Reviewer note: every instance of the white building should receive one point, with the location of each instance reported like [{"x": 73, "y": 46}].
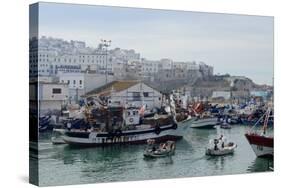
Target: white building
[
  {"x": 78, "y": 44},
  {"x": 119, "y": 69},
  {"x": 81, "y": 83},
  {"x": 124, "y": 55},
  {"x": 192, "y": 66},
  {"x": 224, "y": 94},
  {"x": 205, "y": 69},
  {"x": 149, "y": 67},
  {"x": 51, "y": 96},
  {"x": 166, "y": 64},
  {"x": 128, "y": 93}
]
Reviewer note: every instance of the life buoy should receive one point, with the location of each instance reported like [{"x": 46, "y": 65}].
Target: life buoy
[
  {"x": 131, "y": 120},
  {"x": 157, "y": 130},
  {"x": 175, "y": 126}
]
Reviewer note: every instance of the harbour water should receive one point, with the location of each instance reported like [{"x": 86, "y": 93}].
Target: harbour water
[{"x": 61, "y": 164}]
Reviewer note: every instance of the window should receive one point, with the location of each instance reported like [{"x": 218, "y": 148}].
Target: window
[
  {"x": 80, "y": 82},
  {"x": 74, "y": 82},
  {"x": 56, "y": 90},
  {"x": 136, "y": 96},
  {"x": 145, "y": 94}
]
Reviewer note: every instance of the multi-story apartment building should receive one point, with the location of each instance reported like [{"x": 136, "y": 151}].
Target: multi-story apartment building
[
  {"x": 149, "y": 67},
  {"x": 48, "y": 54}
]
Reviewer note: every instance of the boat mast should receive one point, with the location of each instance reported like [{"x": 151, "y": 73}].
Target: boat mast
[{"x": 266, "y": 121}]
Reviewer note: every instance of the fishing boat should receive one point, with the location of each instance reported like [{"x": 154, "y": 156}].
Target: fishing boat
[
  {"x": 204, "y": 123},
  {"x": 187, "y": 119},
  {"x": 219, "y": 147},
  {"x": 163, "y": 150},
  {"x": 125, "y": 126},
  {"x": 204, "y": 119},
  {"x": 225, "y": 125},
  {"x": 57, "y": 136},
  {"x": 261, "y": 141}
]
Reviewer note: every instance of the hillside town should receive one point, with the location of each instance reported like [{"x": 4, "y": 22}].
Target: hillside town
[{"x": 70, "y": 72}]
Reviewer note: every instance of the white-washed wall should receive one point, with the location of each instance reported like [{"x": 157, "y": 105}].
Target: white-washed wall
[{"x": 128, "y": 96}]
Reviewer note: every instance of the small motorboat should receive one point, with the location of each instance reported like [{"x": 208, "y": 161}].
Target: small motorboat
[
  {"x": 57, "y": 136},
  {"x": 163, "y": 150},
  {"x": 225, "y": 125},
  {"x": 204, "y": 123},
  {"x": 219, "y": 147}
]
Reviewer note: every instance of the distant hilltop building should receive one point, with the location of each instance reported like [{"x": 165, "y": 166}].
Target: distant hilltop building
[
  {"x": 225, "y": 88},
  {"x": 50, "y": 56},
  {"x": 46, "y": 54},
  {"x": 83, "y": 68}
]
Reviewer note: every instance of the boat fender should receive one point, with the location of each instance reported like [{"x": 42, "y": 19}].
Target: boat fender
[
  {"x": 157, "y": 129},
  {"x": 175, "y": 126}
]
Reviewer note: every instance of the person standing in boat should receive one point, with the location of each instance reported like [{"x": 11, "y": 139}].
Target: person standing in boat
[
  {"x": 223, "y": 140},
  {"x": 216, "y": 144},
  {"x": 68, "y": 125}
]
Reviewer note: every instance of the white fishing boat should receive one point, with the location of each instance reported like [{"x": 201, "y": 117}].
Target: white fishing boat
[
  {"x": 129, "y": 131},
  {"x": 225, "y": 125},
  {"x": 219, "y": 147},
  {"x": 204, "y": 122}
]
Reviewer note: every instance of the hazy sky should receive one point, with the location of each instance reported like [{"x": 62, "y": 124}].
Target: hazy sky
[{"x": 234, "y": 44}]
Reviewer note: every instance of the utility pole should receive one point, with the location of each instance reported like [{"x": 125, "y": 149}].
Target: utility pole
[{"x": 106, "y": 44}]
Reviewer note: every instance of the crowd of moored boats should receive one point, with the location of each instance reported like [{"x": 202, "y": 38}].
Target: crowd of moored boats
[{"x": 103, "y": 125}]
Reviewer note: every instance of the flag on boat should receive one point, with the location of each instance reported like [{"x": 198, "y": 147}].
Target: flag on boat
[{"x": 141, "y": 110}]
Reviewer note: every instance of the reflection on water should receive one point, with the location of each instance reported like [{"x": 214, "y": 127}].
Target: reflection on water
[
  {"x": 62, "y": 164},
  {"x": 261, "y": 165}
]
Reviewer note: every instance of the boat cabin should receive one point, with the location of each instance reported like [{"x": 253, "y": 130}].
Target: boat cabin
[{"x": 131, "y": 116}]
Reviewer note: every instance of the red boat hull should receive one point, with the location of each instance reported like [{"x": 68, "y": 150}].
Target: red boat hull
[{"x": 262, "y": 146}]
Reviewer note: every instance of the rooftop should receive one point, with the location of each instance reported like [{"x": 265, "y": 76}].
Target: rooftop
[{"x": 115, "y": 85}]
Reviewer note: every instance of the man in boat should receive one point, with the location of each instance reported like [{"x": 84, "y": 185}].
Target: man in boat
[
  {"x": 222, "y": 140},
  {"x": 216, "y": 144},
  {"x": 68, "y": 126}
]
